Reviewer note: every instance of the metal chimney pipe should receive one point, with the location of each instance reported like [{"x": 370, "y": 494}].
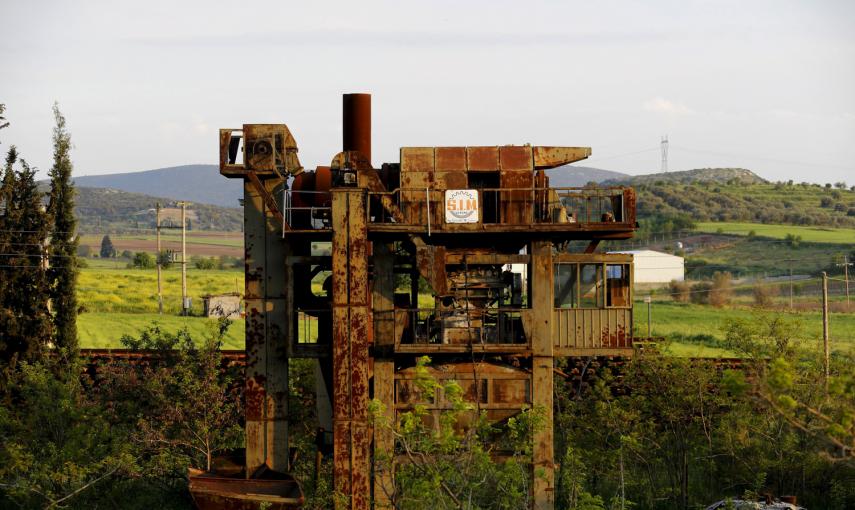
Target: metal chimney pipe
[{"x": 356, "y": 123}]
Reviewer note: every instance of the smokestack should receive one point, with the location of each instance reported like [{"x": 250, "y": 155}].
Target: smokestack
[{"x": 356, "y": 123}]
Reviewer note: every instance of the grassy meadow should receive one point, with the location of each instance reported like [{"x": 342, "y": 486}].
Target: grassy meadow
[
  {"x": 699, "y": 330},
  {"x": 809, "y": 234},
  {"x": 120, "y": 301}
]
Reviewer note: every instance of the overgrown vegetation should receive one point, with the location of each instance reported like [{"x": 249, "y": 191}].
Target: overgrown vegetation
[
  {"x": 736, "y": 201},
  {"x": 678, "y": 433},
  {"x": 449, "y": 458}
]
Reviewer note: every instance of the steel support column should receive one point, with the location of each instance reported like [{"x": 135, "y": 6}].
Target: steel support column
[
  {"x": 267, "y": 318},
  {"x": 383, "y": 300},
  {"x": 351, "y": 328},
  {"x": 543, "y": 485}
]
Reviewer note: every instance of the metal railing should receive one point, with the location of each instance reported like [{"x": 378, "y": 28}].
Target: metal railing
[
  {"x": 486, "y": 326},
  {"x": 310, "y": 210},
  {"x": 508, "y": 206},
  {"x": 307, "y": 210}
]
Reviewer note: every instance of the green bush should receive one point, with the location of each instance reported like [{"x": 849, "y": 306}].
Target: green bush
[{"x": 142, "y": 260}]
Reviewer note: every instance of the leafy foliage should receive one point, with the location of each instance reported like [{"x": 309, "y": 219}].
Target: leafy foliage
[
  {"x": 759, "y": 202},
  {"x": 25, "y": 322},
  {"x": 449, "y": 461},
  {"x": 63, "y": 240}
]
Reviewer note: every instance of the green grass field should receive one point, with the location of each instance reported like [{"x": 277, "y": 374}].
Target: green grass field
[
  {"x": 698, "y": 330},
  {"x": 135, "y": 290},
  {"x": 103, "y": 330},
  {"x": 829, "y": 235},
  {"x": 124, "y": 301}
]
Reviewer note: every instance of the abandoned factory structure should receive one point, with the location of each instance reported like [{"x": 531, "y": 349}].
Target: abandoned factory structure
[{"x": 458, "y": 253}]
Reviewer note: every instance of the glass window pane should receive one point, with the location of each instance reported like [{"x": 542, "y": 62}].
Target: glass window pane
[
  {"x": 565, "y": 279},
  {"x": 617, "y": 285},
  {"x": 591, "y": 281}
]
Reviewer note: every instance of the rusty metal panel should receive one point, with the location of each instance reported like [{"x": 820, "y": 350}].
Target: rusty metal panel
[
  {"x": 417, "y": 159},
  {"x": 414, "y": 199},
  {"x": 513, "y": 157},
  {"x": 451, "y": 180},
  {"x": 431, "y": 263},
  {"x": 599, "y": 328},
  {"x": 450, "y": 159},
  {"x": 551, "y": 157},
  {"x": 517, "y": 197},
  {"x": 481, "y": 159}
]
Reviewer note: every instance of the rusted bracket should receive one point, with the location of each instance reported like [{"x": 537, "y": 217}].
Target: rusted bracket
[
  {"x": 592, "y": 246},
  {"x": 269, "y": 201}
]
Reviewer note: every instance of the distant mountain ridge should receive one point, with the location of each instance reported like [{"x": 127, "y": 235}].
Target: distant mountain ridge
[
  {"x": 716, "y": 175},
  {"x": 107, "y": 209},
  {"x": 570, "y": 176},
  {"x": 195, "y": 183},
  {"x": 203, "y": 184}
]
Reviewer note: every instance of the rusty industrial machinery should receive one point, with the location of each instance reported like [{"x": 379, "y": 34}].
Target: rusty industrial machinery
[{"x": 459, "y": 253}]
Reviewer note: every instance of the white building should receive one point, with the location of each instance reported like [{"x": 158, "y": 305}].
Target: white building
[{"x": 656, "y": 267}]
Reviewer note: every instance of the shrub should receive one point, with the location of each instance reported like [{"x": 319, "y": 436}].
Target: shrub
[
  {"x": 680, "y": 291},
  {"x": 721, "y": 289},
  {"x": 143, "y": 260},
  {"x": 793, "y": 241},
  {"x": 701, "y": 293},
  {"x": 204, "y": 262},
  {"x": 764, "y": 294}
]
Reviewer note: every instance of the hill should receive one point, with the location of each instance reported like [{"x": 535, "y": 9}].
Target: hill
[
  {"x": 768, "y": 203},
  {"x": 570, "y": 176},
  {"x": 101, "y": 209},
  {"x": 195, "y": 183},
  {"x": 717, "y": 175}
]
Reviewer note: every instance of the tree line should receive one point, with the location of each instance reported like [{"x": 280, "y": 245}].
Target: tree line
[{"x": 38, "y": 246}]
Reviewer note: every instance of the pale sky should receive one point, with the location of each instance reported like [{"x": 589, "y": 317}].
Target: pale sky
[{"x": 766, "y": 85}]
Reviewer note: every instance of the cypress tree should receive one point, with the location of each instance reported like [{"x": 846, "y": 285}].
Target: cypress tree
[
  {"x": 107, "y": 248},
  {"x": 25, "y": 325},
  {"x": 63, "y": 270}
]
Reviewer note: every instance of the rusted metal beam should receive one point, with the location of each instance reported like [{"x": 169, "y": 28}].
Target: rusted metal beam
[
  {"x": 551, "y": 157},
  {"x": 383, "y": 300},
  {"x": 542, "y": 346},
  {"x": 351, "y": 327},
  {"x": 269, "y": 201},
  {"x": 266, "y": 388},
  {"x": 592, "y": 246}
]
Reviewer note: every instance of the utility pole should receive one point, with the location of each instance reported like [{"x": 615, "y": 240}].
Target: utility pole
[
  {"x": 185, "y": 308},
  {"x": 159, "y": 288},
  {"x": 825, "y": 347},
  {"x": 663, "y": 144}
]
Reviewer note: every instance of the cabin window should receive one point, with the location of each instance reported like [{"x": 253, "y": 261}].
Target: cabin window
[
  {"x": 566, "y": 291},
  {"x": 591, "y": 285},
  {"x": 617, "y": 285}
]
